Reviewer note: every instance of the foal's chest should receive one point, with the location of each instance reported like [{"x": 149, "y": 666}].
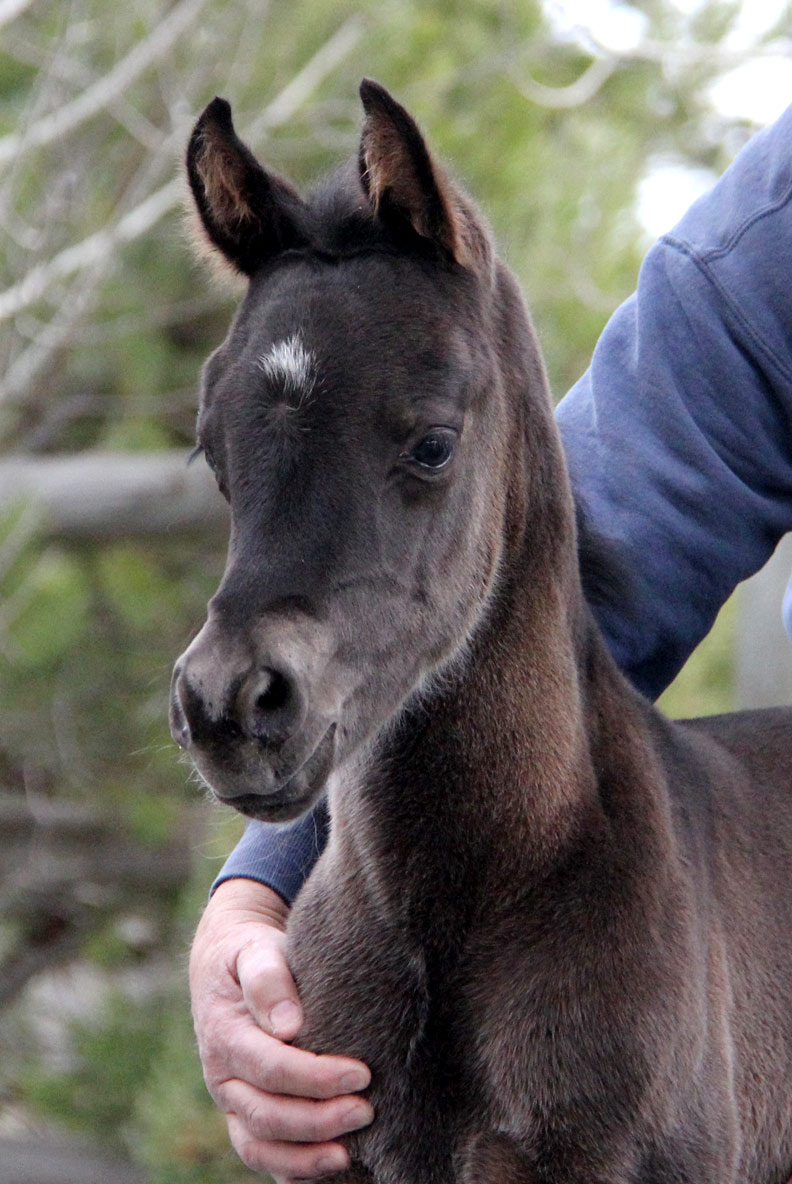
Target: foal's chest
[{"x": 367, "y": 994}]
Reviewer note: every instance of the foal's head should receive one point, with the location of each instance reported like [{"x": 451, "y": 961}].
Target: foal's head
[{"x": 366, "y": 418}]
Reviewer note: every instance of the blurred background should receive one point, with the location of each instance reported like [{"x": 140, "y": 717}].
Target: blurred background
[{"x": 583, "y": 128}]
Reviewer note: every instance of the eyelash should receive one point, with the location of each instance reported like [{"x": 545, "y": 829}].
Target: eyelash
[{"x": 202, "y": 449}]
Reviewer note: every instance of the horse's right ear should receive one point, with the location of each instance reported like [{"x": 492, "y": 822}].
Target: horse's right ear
[
  {"x": 404, "y": 184},
  {"x": 247, "y": 213}
]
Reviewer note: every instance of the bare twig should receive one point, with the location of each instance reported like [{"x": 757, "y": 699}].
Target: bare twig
[
  {"x": 307, "y": 80},
  {"x": 139, "y": 220},
  {"x": 680, "y": 56},
  {"x": 91, "y": 249},
  {"x": 22, "y": 372},
  {"x": 574, "y": 95},
  {"x": 97, "y": 97}
]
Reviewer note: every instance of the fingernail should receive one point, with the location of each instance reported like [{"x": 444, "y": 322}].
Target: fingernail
[
  {"x": 333, "y": 1161},
  {"x": 354, "y": 1081},
  {"x": 357, "y": 1116},
  {"x": 284, "y": 1016}
]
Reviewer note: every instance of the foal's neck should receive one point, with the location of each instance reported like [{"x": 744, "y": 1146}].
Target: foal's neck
[
  {"x": 488, "y": 780},
  {"x": 484, "y": 781}
]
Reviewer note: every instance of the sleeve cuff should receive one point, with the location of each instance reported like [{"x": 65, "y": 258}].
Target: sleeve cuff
[{"x": 281, "y": 857}]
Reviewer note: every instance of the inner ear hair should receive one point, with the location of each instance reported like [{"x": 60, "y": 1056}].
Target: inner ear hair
[
  {"x": 223, "y": 173},
  {"x": 397, "y": 170},
  {"x": 247, "y": 213},
  {"x": 400, "y": 176}
]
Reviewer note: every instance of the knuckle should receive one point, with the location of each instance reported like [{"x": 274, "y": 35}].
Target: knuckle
[
  {"x": 275, "y": 1070},
  {"x": 260, "y": 1122},
  {"x": 255, "y": 1155},
  {"x": 264, "y": 956},
  {"x": 214, "y": 1062},
  {"x": 220, "y": 1094},
  {"x": 249, "y": 1152}
]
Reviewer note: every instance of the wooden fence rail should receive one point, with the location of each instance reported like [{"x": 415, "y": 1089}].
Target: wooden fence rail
[
  {"x": 98, "y": 496},
  {"x": 46, "y": 1160}
]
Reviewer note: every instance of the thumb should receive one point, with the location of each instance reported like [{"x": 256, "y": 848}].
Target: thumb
[{"x": 267, "y": 986}]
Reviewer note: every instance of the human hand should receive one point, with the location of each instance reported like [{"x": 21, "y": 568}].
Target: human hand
[{"x": 285, "y": 1107}]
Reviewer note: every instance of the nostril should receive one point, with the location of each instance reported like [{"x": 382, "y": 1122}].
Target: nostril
[
  {"x": 196, "y": 720},
  {"x": 229, "y": 729},
  {"x": 273, "y": 705},
  {"x": 275, "y": 696},
  {"x": 189, "y": 713}
]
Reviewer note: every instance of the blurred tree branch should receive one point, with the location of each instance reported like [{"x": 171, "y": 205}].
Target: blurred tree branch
[
  {"x": 99, "y": 250},
  {"x": 140, "y": 220},
  {"x": 103, "y": 93}
]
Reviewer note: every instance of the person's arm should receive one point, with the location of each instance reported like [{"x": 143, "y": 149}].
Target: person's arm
[
  {"x": 679, "y": 436},
  {"x": 678, "y": 439}
]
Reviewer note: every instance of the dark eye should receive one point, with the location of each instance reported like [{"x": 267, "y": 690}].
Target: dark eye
[{"x": 435, "y": 449}]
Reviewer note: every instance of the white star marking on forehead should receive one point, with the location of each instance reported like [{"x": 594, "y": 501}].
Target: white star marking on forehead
[{"x": 290, "y": 363}]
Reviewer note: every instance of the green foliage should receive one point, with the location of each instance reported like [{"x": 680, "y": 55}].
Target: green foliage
[
  {"x": 86, "y": 664},
  {"x": 174, "y": 1129},
  {"x": 55, "y": 589},
  {"x": 705, "y": 685},
  {"x": 113, "y": 1054},
  {"x": 179, "y": 1135}
]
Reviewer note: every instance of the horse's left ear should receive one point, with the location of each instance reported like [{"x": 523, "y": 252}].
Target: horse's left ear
[{"x": 404, "y": 182}]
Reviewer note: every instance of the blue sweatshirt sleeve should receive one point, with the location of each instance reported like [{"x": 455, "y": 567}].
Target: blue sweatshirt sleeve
[
  {"x": 678, "y": 438},
  {"x": 279, "y": 856}
]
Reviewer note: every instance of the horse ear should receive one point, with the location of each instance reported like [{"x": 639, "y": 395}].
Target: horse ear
[
  {"x": 403, "y": 181},
  {"x": 247, "y": 213}
]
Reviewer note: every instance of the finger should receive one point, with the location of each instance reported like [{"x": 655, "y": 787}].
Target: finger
[
  {"x": 268, "y": 988},
  {"x": 276, "y": 1118},
  {"x": 303, "y": 1161},
  {"x": 241, "y": 1050}
]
